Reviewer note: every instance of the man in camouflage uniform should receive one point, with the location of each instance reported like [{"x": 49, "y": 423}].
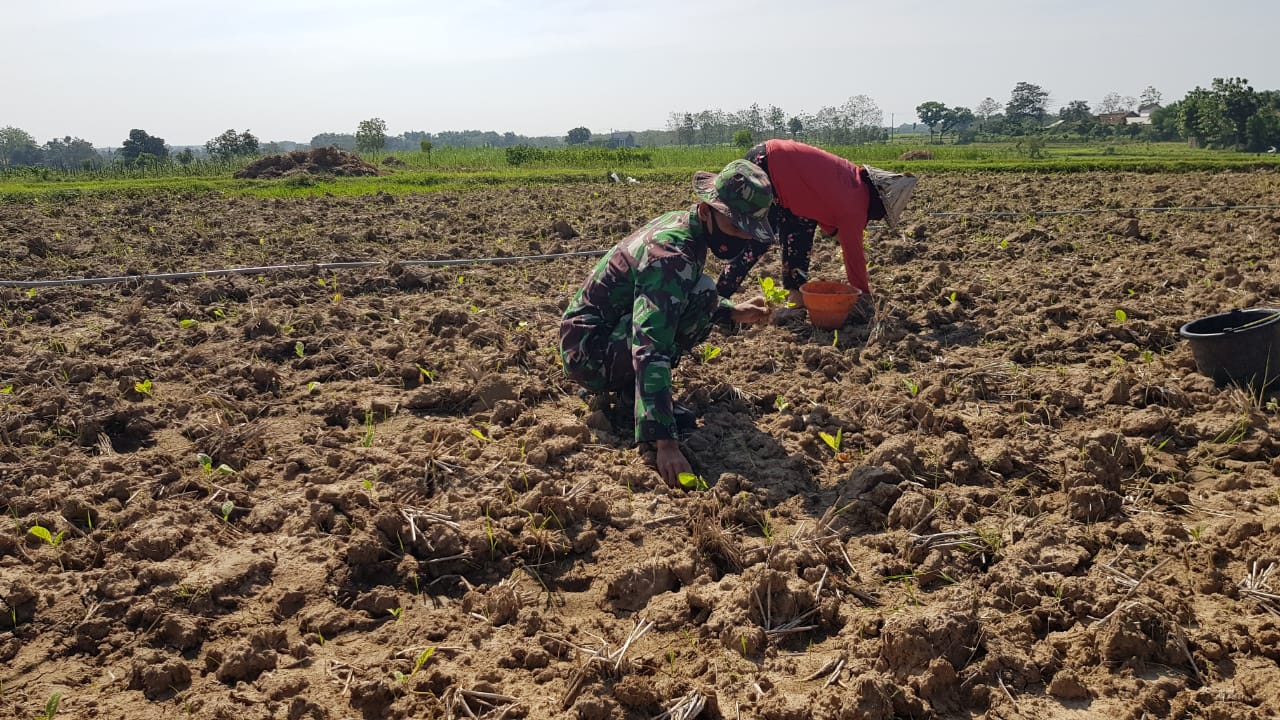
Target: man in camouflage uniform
[{"x": 648, "y": 301}]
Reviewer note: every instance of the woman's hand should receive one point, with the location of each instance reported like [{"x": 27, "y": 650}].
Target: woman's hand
[{"x": 753, "y": 312}]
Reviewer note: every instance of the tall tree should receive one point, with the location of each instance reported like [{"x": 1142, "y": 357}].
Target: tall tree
[
  {"x": 371, "y": 135},
  {"x": 1075, "y": 111},
  {"x": 986, "y": 109},
  {"x": 795, "y": 126},
  {"x": 956, "y": 118},
  {"x": 230, "y": 145},
  {"x": 578, "y": 136},
  {"x": 1027, "y": 102},
  {"x": 17, "y": 147},
  {"x": 1239, "y": 103},
  {"x": 931, "y": 114},
  {"x": 70, "y": 153},
  {"x": 1149, "y": 96},
  {"x": 141, "y": 143},
  {"x": 1114, "y": 102}
]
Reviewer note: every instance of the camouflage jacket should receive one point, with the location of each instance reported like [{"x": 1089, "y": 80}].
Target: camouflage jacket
[{"x": 648, "y": 276}]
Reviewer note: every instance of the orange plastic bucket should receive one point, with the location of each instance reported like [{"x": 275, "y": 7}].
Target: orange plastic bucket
[{"x": 828, "y": 303}]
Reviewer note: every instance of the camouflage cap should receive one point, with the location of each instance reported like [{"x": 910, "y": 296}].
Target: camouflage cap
[{"x": 741, "y": 191}]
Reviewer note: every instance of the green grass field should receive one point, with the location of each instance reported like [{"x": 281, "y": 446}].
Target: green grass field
[{"x": 453, "y": 168}]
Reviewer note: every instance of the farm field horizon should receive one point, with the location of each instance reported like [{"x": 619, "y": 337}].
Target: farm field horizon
[{"x": 371, "y": 493}]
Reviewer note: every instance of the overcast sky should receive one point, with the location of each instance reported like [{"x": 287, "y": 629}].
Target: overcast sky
[{"x": 289, "y": 69}]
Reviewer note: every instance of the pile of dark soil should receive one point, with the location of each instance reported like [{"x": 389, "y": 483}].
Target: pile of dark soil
[{"x": 325, "y": 160}]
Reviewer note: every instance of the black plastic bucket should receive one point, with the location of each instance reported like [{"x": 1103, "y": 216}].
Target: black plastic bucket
[{"x": 1241, "y": 347}]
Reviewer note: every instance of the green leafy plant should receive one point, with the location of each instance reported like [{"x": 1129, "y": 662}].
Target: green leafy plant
[
  {"x": 396, "y": 612},
  {"x": 709, "y": 353},
  {"x": 833, "y": 441},
  {"x": 912, "y": 387},
  {"x": 780, "y": 404},
  {"x": 692, "y": 481},
  {"x": 478, "y": 433},
  {"x": 206, "y": 463},
  {"x": 6, "y": 390},
  {"x": 1121, "y": 315},
  {"x": 226, "y": 508},
  {"x": 143, "y": 387},
  {"x": 951, "y": 299},
  {"x": 775, "y": 295},
  {"x": 299, "y": 349},
  {"x": 367, "y": 440},
  {"x": 43, "y": 533},
  {"x": 51, "y": 707},
  {"x": 187, "y": 323},
  {"x": 422, "y": 659}
]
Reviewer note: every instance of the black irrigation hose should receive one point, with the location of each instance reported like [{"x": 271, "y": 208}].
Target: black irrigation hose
[
  {"x": 198, "y": 274},
  {"x": 317, "y": 267}
]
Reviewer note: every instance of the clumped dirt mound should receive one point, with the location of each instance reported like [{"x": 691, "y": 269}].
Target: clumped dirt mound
[
  {"x": 372, "y": 494},
  {"x": 319, "y": 161},
  {"x": 916, "y": 155}
]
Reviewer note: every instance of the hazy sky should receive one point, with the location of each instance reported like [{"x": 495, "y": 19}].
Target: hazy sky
[{"x": 289, "y": 69}]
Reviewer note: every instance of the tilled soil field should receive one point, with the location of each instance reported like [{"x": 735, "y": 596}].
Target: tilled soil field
[{"x": 371, "y": 494}]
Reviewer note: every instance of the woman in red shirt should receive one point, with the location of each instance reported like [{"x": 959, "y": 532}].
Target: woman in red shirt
[{"x": 814, "y": 188}]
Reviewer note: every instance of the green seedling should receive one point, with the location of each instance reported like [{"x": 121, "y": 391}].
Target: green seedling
[
  {"x": 226, "y": 508},
  {"x": 425, "y": 375},
  {"x": 396, "y": 613},
  {"x": 51, "y": 707},
  {"x": 1121, "y": 315},
  {"x": 709, "y": 353},
  {"x": 780, "y": 404},
  {"x": 475, "y": 432},
  {"x": 951, "y": 299},
  {"x": 775, "y": 296},
  {"x": 692, "y": 481},
  {"x": 312, "y": 386},
  {"x": 143, "y": 387},
  {"x": 44, "y": 534},
  {"x": 299, "y": 349},
  {"x": 206, "y": 463},
  {"x": 367, "y": 440},
  {"x": 421, "y": 660},
  {"x": 6, "y": 390},
  {"x": 833, "y": 441},
  {"x": 912, "y": 387},
  {"x": 187, "y": 323}
]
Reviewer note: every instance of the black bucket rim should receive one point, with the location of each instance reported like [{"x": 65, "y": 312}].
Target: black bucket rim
[{"x": 1229, "y": 332}]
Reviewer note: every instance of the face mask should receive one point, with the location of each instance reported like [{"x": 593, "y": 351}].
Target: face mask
[{"x": 722, "y": 244}]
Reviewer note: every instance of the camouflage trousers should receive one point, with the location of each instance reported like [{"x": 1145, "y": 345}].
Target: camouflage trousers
[{"x": 600, "y": 358}]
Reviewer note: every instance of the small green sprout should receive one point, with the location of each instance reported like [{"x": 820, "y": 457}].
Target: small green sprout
[
  {"x": 143, "y": 387},
  {"x": 299, "y": 349},
  {"x": 206, "y": 462},
  {"x": 780, "y": 404},
  {"x": 51, "y": 706},
  {"x": 775, "y": 296},
  {"x": 396, "y": 613},
  {"x": 951, "y": 299},
  {"x": 226, "y": 508},
  {"x": 44, "y": 534},
  {"x": 692, "y": 481},
  {"x": 6, "y": 390},
  {"x": 912, "y": 387},
  {"x": 187, "y": 323},
  {"x": 422, "y": 659},
  {"x": 477, "y": 433},
  {"x": 1121, "y": 315},
  {"x": 709, "y": 353},
  {"x": 833, "y": 441},
  {"x": 367, "y": 440},
  {"x": 313, "y": 386},
  {"x": 425, "y": 375}
]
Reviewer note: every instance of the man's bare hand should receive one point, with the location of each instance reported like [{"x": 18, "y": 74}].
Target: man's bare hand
[
  {"x": 671, "y": 462},
  {"x": 753, "y": 311}
]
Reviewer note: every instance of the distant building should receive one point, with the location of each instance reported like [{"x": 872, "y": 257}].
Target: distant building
[
  {"x": 1144, "y": 115},
  {"x": 1116, "y": 118}
]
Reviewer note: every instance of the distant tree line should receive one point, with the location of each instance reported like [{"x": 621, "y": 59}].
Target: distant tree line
[{"x": 1229, "y": 114}]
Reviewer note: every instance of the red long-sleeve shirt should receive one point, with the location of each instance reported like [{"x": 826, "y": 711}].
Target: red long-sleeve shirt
[{"x": 818, "y": 185}]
